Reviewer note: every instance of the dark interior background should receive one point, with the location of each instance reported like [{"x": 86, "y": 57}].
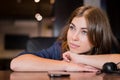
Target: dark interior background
[
  {"x": 26, "y": 9},
  {"x": 113, "y": 11}
]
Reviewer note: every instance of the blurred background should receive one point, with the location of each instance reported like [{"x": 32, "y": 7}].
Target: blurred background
[{"x": 24, "y": 19}]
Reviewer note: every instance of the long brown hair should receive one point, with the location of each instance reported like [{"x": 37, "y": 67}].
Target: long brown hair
[{"x": 99, "y": 30}]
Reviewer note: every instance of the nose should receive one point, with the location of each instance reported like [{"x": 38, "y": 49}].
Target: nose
[{"x": 75, "y": 37}]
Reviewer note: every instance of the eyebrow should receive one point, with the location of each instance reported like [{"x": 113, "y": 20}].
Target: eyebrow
[
  {"x": 84, "y": 28},
  {"x": 75, "y": 26}
]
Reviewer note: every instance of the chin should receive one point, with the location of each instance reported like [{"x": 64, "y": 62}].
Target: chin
[
  {"x": 74, "y": 51},
  {"x": 78, "y": 52}
]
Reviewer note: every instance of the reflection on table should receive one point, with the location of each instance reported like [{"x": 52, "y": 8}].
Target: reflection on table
[
  {"x": 8, "y": 75},
  {"x": 44, "y": 76}
]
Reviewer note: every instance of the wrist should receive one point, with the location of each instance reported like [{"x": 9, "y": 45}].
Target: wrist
[
  {"x": 81, "y": 58},
  {"x": 65, "y": 65}
]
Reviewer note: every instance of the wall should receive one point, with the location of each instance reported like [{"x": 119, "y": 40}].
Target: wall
[
  {"x": 93, "y": 2},
  {"x": 23, "y": 27},
  {"x": 32, "y": 28}
]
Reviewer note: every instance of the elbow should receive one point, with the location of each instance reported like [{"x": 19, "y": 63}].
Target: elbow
[{"x": 13, "y": 65}]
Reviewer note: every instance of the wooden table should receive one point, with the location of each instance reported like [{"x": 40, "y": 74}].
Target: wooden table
[{"x": 9, "y": 75}]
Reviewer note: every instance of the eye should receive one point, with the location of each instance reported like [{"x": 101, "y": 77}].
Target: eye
[
  {"x": 71, "y": 27},
  {"x": 84, "y": 32}
]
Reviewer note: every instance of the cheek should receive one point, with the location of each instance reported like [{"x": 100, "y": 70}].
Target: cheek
[
  {"x": 85, "y": 47},
  {"x": 84, "y": 38},
  {"x": 85, "y": 41},
  {"x": 90, "y": 46},
  {"x": 88, "y": 42}
]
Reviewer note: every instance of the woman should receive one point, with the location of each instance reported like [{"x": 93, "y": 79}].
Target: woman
[
  {"x": 97, "y": 31},
  {"x": 86, "y": 32}
]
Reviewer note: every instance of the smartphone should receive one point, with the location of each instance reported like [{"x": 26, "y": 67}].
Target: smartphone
[{"x": 58, "y": 74}]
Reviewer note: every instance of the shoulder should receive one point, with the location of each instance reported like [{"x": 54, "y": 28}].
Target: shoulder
[{"x": 53, "y": 52}]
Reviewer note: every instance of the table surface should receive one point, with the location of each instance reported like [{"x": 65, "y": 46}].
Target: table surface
[{"x": 9, "y": 75}]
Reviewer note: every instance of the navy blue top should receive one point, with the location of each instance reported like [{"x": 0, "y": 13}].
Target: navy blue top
[{"x": 54, "y": 52}]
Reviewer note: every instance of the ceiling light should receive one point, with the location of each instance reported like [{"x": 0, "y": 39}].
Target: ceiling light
[
  {"x": 36, "y": 1},
  {"x": 38, "y": 17}
]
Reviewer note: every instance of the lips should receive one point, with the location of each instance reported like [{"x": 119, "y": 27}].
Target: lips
[{"x": 71, "y": 45}]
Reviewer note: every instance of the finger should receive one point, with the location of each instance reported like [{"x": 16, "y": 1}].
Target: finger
[{"x": 66, "y": 58}]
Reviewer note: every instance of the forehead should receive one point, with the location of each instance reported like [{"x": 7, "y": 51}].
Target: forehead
[{"x": 79, "y": 22}]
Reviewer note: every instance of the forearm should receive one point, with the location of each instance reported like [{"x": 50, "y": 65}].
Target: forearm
[
  {"x": 98, "y": 60},
  {"x": 30, "y": 62}
]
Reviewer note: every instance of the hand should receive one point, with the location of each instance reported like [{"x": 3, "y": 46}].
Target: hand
[
  {"x": 70, "y": 57},
  {"x": 66, "y": 56},
  {"x": 76, "y": 65}
]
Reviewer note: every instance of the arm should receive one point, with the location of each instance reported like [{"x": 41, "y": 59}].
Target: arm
[
  {"x": 98, "y": 60},
  {"x": 93, "y": 60},
  {"x": 29, "y": 62}
]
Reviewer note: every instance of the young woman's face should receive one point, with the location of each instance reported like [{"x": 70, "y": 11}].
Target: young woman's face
[{"x": 77, "y": 36}]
